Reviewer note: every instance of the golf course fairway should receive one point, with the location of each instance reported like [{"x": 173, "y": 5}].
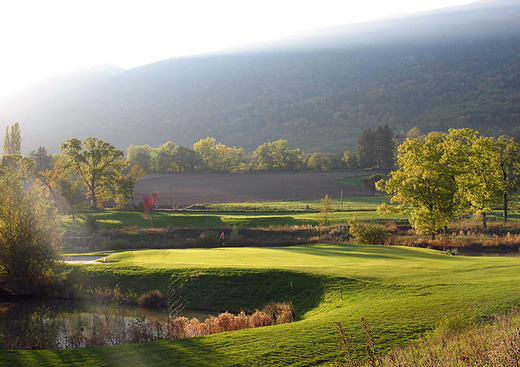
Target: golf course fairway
[{"x": 402, "y": 292}]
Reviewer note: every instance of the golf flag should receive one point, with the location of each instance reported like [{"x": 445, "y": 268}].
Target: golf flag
[{"x": 222, "y": 235}]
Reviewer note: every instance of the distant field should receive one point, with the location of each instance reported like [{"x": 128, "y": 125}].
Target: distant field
[
  {"x": 229, "y": 215},
  {"x": 190, "y": 189}
]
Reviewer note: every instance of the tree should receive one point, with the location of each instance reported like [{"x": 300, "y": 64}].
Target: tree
[
  {"x": 186, "y": 159},
  {"x": 228, "y": 159},
  {"x": 29, "y": 238},
  {"x": 207, "y": 150},
  {"x": 140, "y": 155},
  {"x": 164, "y": 158},
  {"x": 97, "y": 162},
  {"x": 509, "y": 161},
  {"x": 366, "y": 149},
  {"x": 479, "y": 176},
  {"x": 424, "y": 183},
  {"x": 369, "y": 182},
  {"x": 276, "y": 155},
  {"x": 319, "y": 162},
  {"x": 384, "y": 147},
  {"x": 349, "y": 159},
  {"x": 125, "y": 185},
  {"x": 12, "y": 140},
  {"x": 326, "y": 204},
  {"x": 42, "y": 159},
  {"x": 63, "y": 184}
]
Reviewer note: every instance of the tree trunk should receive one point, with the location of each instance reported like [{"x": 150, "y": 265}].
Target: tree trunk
[
  {"x": 484, "y": 220},
  {"x": 94, "y": 198},
  {"x": 505, "y": 207}
]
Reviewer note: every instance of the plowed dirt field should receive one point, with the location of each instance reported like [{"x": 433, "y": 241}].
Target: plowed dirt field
[{"x": 199, "y": 188}]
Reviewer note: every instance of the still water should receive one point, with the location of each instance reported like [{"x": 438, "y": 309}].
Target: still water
[
  {"x": 21, "y": 308},
  {"x": 27, "y": 323}
]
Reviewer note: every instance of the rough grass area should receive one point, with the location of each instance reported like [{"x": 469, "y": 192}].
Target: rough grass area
[
  {"x": 229, "y": 215},
  {"x": 402, "y": 292}
]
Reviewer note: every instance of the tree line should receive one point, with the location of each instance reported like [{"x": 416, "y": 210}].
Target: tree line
[
  {"x": 376, "y": 149},
  {"x": 441, "y": 176}
]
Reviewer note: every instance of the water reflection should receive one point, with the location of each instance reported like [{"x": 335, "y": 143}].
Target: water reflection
[{"x": 35, "y": 323}]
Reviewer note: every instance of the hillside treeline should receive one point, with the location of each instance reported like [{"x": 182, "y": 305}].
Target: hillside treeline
[{"x": 376, "y": 149}]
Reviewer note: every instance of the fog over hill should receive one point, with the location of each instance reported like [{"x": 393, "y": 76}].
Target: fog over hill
[{"x": 456, "y": 67}]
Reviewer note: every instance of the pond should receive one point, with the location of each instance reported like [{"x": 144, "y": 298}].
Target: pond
[{"x": 28, "y": 323}]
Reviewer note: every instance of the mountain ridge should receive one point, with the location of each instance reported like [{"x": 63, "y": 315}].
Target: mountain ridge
[{"x": 317, "y": 92}]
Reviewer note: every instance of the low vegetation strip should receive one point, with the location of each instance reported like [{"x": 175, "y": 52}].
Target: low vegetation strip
[
  {"x": 454, "y": 342},
  {"x": 402, "y": 292}
]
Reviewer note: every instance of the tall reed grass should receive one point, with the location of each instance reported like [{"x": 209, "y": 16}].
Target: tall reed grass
[
  {"x": 46, "y": 331},
  {"x": 455, "y": 342}
]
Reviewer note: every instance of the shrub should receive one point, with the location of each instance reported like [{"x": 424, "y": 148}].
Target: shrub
[
  {"x": 234, "y": 238},
  {"x": 209, "y": 239},
  {"x": 152, "y": 299},
  {"x": 366, "y": 233},
  {"x": 90, "y": 225},
  {"x": 30, "y": 238}
]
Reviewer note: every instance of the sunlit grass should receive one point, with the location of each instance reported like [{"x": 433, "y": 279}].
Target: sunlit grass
[
  {"x": 401, "y": 291},
  {"x": 247, "y": 215}
]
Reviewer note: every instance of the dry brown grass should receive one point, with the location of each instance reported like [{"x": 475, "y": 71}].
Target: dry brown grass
[
  {"x": 50, "y": 332},
  {"x": 272, "y": 314},
  {"x": 455, "y": 342}
]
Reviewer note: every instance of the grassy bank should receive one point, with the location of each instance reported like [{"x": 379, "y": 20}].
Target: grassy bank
[
  {"x": 245, "y": 215},
  {"x": 401, "y": 291}
]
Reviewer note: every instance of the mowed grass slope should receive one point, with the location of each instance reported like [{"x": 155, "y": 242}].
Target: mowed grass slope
[
  {"x": 247, "y": 215},
  {"x": 401, "y": 291}
]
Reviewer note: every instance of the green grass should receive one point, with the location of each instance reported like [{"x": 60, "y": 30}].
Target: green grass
[
  {"x": 401, "y": 291},
  {"x": 229, "y": 215},
  {"x": 347, "y": 204}
]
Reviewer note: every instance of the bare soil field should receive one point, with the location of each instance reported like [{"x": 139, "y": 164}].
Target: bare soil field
[{"x": 210, "y": 188}]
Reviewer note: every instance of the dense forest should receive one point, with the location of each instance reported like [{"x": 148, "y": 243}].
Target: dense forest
[{"x": 447, "y": 69}]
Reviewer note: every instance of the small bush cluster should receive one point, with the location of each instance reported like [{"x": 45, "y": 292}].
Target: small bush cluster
[
  {"x": 335, "y": 233},
  {"x": 152, "y": 299},
  {"x": 369, "y": 233}
]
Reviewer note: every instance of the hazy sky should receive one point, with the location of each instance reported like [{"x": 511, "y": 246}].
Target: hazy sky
[{"x": 39, "y": 38}]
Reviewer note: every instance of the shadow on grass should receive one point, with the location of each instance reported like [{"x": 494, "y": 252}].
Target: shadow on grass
[
  {"x": 367, "y": 251},
  {"x": 185, "y": 352},
  {"x": 216, "y": 289}
]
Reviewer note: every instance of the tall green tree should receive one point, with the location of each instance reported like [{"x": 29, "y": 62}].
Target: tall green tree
[
  {"x": 140, "y": 155},
  {"x": 366, "y": 149},
  {"x": 384, "y": 147},
  {"x": 424, "y": 183},
  {"x": 319, "y": 162},
  {"x": 479, "y": 174},
  {"x": 125, "y": 185},
  {"x": 207, "y": 150},
  {"x": 30, "y": 236},
  {"x": 186, "y": 159},
  {"x": 276, "y": 156},
  {"x": 97, "y": 162},
  {"x": 164, "y": 158},
  {"x": 509, "y": 161},
  {"x": 12, "y": 140},
  {"x": 42, "y": 159}
]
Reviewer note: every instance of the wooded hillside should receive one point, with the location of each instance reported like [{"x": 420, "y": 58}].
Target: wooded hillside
[{"x": 446, "y": 69}]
